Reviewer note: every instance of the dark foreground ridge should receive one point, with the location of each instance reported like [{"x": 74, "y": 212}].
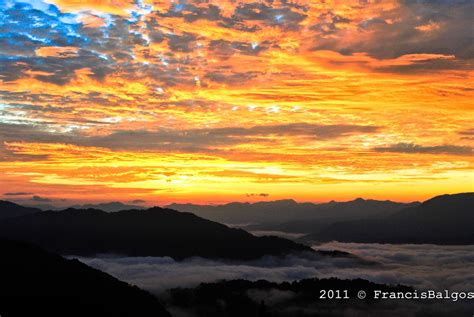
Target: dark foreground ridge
[
  {"x": 38, "y": 283},
  {"x": 445, "y": 220},
  {"x": 238, "y": 298},
  {"x": 151, "y": 232}
]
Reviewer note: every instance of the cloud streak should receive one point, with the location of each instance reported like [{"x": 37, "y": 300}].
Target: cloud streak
[
  {"x": 40, "y": 199},
  {"x": 186, "y": 139},
  {"x": 415, "y": 148}
]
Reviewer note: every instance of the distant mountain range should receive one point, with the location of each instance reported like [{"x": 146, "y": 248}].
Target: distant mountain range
[
  {"x": 290, "y": 216},
  {"x": 446, "y": 219},
  {"x": 281, "y": 215},
  {"x": 151, "y": 232},
  {"x": 109, "y": 207},
  {"x": 38, "y": 283}
]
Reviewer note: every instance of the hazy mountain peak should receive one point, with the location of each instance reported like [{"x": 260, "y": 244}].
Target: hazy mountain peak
[
  {"x": 109, "y": 206},
  {"x": 288, "y": 210}
]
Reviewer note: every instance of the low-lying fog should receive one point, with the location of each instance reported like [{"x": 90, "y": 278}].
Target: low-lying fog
[{"x": 421, "y": 266}]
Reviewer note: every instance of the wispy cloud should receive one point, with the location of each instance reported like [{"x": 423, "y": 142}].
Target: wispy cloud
[
  {"x": 415, "y": 148},
  {"x": 18, "y": 194}
]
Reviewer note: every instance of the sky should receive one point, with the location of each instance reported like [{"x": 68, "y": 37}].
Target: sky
[{"x": 155, "y": 102}]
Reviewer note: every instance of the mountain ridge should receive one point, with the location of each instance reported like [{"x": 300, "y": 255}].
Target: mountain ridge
[
  {"x": 443, "y": 219},
  {"x": 291, "y": 216},
  {"x": 151, "y": 232}
]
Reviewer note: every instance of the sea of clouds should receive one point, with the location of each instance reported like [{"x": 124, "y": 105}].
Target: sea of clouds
[{"x": 420, "y": 266}]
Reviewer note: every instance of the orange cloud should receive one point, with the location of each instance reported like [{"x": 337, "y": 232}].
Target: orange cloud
[{"x": 56, "y": 51}]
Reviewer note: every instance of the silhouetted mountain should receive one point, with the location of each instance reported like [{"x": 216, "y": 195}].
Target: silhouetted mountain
[
  {"x": 38, "y": 283},
  {"x": 40, "y": 206},
  {"x": 152, "y": 232},
  {"x": 446, "y": 219},
  {"x": 109, "y": 207},
  {"x": 238, "y": 298},
  {"x": 242, "y": 213},
  {"x": 9, "y": 210},
  {"x": 290, "y": 216}
]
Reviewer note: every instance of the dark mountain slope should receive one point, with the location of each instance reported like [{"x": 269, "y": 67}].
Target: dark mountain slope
[
  {"x": 152, "y": 232},
  {"x": 446, "y": 219},
  {"x": 38, "y": 283},
  {"x": 238, "y": 298},
  {"x": 9, "y": 210}
]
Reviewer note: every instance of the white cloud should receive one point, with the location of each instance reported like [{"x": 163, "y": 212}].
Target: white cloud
[{"x": 421, "y": 266}]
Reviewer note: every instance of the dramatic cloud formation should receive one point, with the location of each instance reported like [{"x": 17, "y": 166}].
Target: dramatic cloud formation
[
  {"x": 421, "y": 266},
  {"x": 208, "y": 101},
  {"x": 413, "y": 27}
]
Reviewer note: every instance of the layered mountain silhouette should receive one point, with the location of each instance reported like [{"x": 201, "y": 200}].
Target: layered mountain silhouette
[
  {"x": 291, "y": 216},
  {"x": 109, "y": 207},
  {"x": 112, "y": 206},
  {"x": 151, "y": 232},
  {"x": 38, "y": 283},
  {"x": 446, "y": 219},
  {"x": 10, "y": 210}
]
